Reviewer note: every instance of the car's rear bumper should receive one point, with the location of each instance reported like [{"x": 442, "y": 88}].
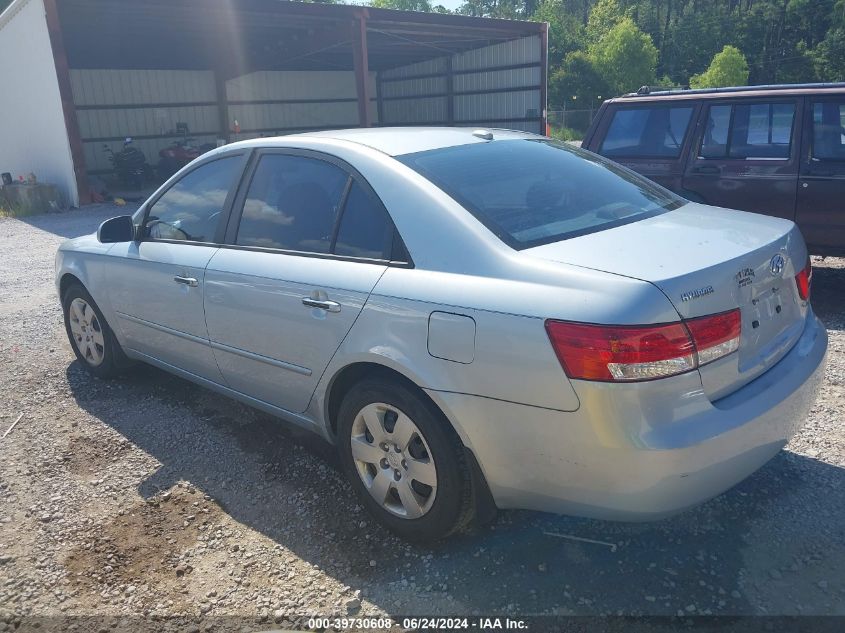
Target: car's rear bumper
[{"x": 638, "y": 451}]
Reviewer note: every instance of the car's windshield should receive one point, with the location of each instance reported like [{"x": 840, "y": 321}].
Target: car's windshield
[{"x": 531, "y": 192}]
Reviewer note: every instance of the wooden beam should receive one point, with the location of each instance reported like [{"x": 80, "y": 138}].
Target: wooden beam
[
  {"x": 77, "y": 154},
  {"x": 362, "y": 69}
]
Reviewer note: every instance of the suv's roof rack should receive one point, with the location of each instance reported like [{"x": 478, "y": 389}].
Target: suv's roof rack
[{"x": 647, "y": 91}]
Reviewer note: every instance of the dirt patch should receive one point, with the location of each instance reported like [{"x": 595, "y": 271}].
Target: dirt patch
[
  {"x": 88, "y": 456},
  {"x": 142, "y": 549}
]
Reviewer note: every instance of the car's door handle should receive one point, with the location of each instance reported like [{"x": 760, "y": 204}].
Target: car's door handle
[
  {"x": 188, "y": 281},
  {"x": 328, "y": 306}
]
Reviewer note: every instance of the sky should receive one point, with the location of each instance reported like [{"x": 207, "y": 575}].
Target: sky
[{"x": 449, "y": 4}]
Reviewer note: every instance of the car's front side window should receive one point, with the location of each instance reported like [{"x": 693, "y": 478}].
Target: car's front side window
[
  {"x": 191, "y": 209},
  {"x": 291, "y": 204}
]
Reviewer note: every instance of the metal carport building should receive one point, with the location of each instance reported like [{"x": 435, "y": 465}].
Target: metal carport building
[{"x": 80, "y": 73}]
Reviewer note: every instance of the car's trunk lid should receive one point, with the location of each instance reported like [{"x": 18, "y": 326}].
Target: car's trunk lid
[{"x": 708, "y": 260}]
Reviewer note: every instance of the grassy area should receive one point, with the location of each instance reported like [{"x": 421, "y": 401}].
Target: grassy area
[
  {"x": 566, "y": 134},
  {"x": 9, "y": 209}
]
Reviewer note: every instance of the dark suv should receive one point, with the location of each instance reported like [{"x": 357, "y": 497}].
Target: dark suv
[{"x": 778, "y": 150}]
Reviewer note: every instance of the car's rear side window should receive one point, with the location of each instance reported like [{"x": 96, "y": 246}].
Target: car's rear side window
[
  {"x": 654, "y": 132},
  {"x": 829, "y": 130},
  {"x": 365, "y": 230},
  {"x": 532, "y": 192},
  {"x": 752, "y": 131}
]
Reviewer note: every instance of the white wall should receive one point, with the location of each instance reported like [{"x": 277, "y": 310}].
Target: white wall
[{"x": 33, "y": 137}]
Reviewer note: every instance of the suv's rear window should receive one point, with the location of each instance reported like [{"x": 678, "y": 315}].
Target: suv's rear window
[
  {"x": 532, "y": 192},
  {"x": 654, "y": 132}
]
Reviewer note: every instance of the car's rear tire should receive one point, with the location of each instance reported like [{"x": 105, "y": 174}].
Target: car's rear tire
[
  {"x": 404, "y": 461},
  {"x": 90, "y": 336}
]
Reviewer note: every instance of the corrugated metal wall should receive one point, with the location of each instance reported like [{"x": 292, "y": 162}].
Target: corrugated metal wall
[
  {"x": 279, "y": 102},
  {"x": 419, "y": 99},
  {"x": 494, "y": 86},
  {"x": 148, "y": 104},
  {"x": 497, "y": 86},
  {"x": 143, "y": 104}
]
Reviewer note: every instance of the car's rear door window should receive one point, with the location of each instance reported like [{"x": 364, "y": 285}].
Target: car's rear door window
[
  {"x": 829, "y": 131},
  {"x": 532, "y": 192},
  {"x": 751, "y": 131},
  {"x": 762, "y": 130},
  {"x": 653, "y": 132},
  {"x": 291, "y": 204}
]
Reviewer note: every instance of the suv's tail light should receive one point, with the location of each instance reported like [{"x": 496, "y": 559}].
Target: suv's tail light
[
  {"x": 804, "y": 280},
  {"x": 642, "y": 352}
]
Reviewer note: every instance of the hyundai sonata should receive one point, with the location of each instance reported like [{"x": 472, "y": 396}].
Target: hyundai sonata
[{"x": 475, "y": 318}]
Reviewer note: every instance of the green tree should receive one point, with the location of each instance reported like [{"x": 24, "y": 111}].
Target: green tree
[
  {"x": 829, "y": 55},
  {"x": 577, "y": 84},
  {"x": 566, "y": 32},
  {"x": 493, "y": 8},
  {"x": 404, "y": 5},
  {"x": 625, "y": 57},
  {"x": 728, "y": 68},
  {"x": 603, "y": 17}
]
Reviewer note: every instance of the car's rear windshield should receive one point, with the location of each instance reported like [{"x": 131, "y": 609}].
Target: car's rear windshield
[{"x": 531, "y": 192}]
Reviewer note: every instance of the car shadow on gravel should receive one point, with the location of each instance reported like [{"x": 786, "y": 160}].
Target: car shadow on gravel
[{"x": 751, "y": 546}]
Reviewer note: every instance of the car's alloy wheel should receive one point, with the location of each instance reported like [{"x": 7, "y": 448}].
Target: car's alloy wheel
[
  {"x": 87, "y": 332},
  {"x": 90, "y": 336},
  {"x": 393, "y": 460},
  {"x": 404, "y": 460}
]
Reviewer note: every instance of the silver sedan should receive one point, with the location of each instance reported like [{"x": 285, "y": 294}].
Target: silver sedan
[{"x": 475, "y": 318}]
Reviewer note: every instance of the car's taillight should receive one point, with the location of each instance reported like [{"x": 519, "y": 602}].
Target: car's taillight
[
  {"x": 642, "y": 352},
  {"x": 716, "y": 335},
  {"x": 804, "y": 280}
]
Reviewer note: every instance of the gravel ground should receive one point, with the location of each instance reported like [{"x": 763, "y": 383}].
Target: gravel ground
[{"x": 150, "y": 496}]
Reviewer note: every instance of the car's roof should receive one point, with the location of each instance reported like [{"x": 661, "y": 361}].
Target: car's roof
[
  {"x": 733, "y": 92},
  {"x": 396, "y": 141}
]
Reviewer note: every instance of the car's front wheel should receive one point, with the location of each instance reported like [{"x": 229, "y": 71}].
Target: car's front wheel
[
  {"x": 90, "y": 336},
  {"x": 404, "y": 460}
]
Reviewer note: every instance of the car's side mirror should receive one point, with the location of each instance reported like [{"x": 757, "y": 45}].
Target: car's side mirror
[{"x": 119, "y": 229}]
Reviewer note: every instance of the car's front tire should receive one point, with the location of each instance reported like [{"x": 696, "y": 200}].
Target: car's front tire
[
  {"x": 90, "y": 336},
  {"x": 406, "y": 463}
]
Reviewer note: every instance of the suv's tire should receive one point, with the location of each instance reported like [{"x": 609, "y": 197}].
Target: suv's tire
[
  {"x": 424, "y": 489},
  {"x": 90, "y": 336}
]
